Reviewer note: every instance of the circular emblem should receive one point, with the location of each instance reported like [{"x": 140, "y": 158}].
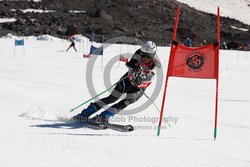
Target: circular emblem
[
  {"x": 90, "y": 77},
  {"x": 195, "y": 60}
]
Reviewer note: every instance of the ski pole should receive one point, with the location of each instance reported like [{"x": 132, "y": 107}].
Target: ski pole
[
  {"x": 92, "y": 98},
  {"x": 96, "y": 95},
  {"x": 155, "y": 106}
]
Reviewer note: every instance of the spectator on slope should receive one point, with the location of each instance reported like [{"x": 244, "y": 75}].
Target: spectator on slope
[
  {"x": 224, "y": 45},
  {"x": 246, "y": 44},
  {"x": 188, "y": 42}
]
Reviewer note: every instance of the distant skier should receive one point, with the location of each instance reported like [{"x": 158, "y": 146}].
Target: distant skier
[
  {"x": 141, "y": 70},
  {"x": 72, "y": 40}
]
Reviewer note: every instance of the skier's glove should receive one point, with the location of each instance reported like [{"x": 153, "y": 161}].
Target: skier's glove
[
  {"x": 136, "y": 81},
  {"x": 137, "y": 75},
  {"x": 137, "y": 70}
]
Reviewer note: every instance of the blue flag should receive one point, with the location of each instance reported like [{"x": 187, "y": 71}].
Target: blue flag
[
  {"x": 19, "y": 42},
  {"x": 96, "y": 51}
]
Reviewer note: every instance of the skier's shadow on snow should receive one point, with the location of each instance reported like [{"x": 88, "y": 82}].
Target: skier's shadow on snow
[
  {"x": 61, "y": 125},
  {"x": 65, "y": 125},
  {"x": 58, "y": 124},
  {"x": 68, "y": 125}
]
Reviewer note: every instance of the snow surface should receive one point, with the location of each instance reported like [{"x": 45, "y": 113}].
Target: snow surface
[
  {"x": 236, "y": 9},
  {"x": 5, "y": 20},
  {"x": 36, "y": 11},
  {"x": 40, "y": 87}
]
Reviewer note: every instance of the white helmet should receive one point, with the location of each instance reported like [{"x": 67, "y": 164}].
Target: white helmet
[{"x": 149, "y": 48}]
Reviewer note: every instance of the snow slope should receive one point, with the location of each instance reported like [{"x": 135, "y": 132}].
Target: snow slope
[
  {"x": 236, "y": 9},
  {"x": 41, "y": 87}
]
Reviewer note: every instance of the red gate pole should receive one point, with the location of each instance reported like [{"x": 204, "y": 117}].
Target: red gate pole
[
  {"x": 217, "y": 73},
  {"x": 169, "y": 68}
]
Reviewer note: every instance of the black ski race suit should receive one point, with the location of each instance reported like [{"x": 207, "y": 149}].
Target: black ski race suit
[{"x": 130, "y": 85}]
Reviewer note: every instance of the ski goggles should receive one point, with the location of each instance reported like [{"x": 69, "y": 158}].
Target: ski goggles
[{"x": 147, "y": 55}]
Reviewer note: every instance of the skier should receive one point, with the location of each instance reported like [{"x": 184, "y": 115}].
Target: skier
[
  {"x": 141, "y": 70},
  {"x": 72, "y": 38}
]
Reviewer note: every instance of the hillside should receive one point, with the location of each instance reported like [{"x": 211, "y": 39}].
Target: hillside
[{"x": 142, "y": 19}]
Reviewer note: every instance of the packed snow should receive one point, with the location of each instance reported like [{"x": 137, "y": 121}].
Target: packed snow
[
  {"x": 41, "y": 85},
  {"x": 5, "y": 20},
  {"x": 235, "y": 9}
]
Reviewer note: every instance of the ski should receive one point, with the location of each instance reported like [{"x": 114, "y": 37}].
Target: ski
[
  {"x": 100, "y": 125},
  {"x": 92, "y": 124},
  {"x": 95, "y": 125},
  {"x": 118, "y": 127},
  {"x": 105, "y": 125}
]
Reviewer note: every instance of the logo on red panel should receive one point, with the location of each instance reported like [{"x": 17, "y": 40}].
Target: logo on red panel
[{"x": 195, "y": 60}]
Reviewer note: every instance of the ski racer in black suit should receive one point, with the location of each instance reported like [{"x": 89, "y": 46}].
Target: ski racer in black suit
[{"x": 141, "y": 69}]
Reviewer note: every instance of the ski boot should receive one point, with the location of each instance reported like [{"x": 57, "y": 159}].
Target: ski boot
[
  {"x": 84, "y": 115},
  {"x": 104, "y": 116}
]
